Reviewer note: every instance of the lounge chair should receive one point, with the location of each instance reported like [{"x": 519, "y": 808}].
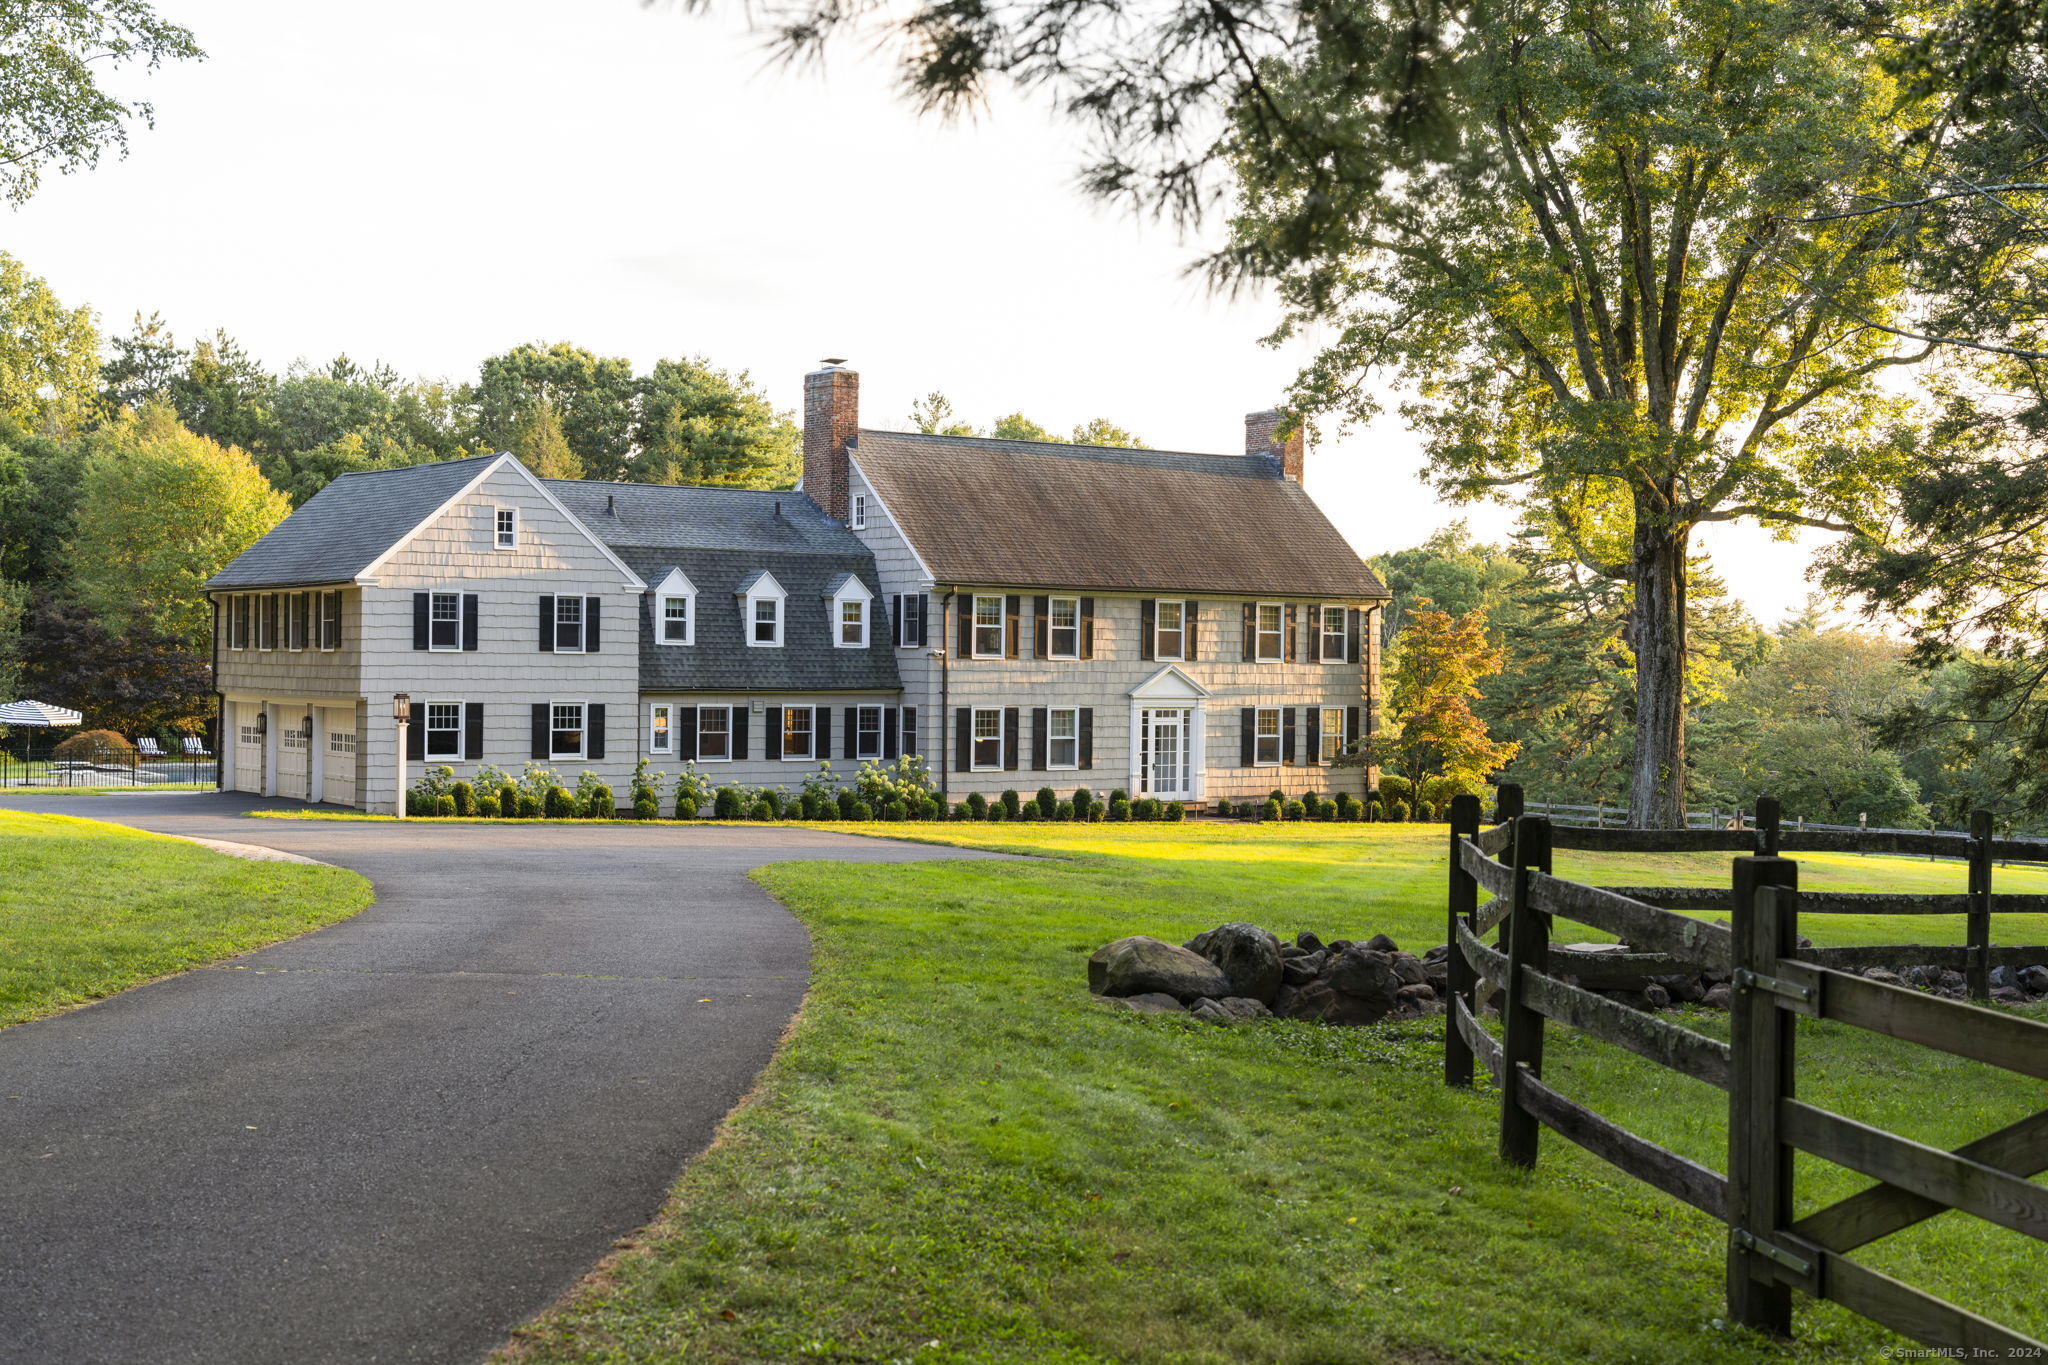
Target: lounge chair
[
  {"x": 195, "y": 747},
  {"x": 149, "y": 748}
]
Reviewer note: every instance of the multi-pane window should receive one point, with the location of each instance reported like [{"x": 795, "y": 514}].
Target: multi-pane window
[
  {"x": 660, "y": 729},
  {"x": 1064, "y": 635},
  {"x": 1266, "y": 735},
  {"x": 508, "y": 528},
  {"x": 238, "y": 621},
  {"x": 568, "y": 624},
  {"x": 444, "y": 618},
  {"x": 988, "y": 737},
  {"x": 330, "y": 620},
  {"x": 853, "y": 622},
  {"x": 867, "y": 732},
  {"x": 444, "y": 729},
  {"x": 293, "y": 739},
  {"x": 988, "y": 626},
  {"x": 714, "y": 733},
  {"x": 1335, "y": 646},
  {"x": 767, "y": 621},
  {"x": 675, "y": 620},
  {"x": 860, "y": 511},
  {"x": 299, "y": 619},
  {"x": 267, "y": 621},
  {"x": 1169, "y": 629},
  {"x": 1331, "y": 744},
  {"x": 341, "y": 742},
  {"x": 796, "y": 732},
  {"x": 565, "y": 730},
  {"x": 1270, "y": 644},
  {"x": 250, "y": 734},
  {"x": 1063, "y": 737}
]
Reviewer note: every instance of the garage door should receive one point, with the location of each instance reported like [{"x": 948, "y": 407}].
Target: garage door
[
  {"x": 339, "y": 782},
  {"x": 294, "y": 759},
  {"x": 248, "y": 748}
]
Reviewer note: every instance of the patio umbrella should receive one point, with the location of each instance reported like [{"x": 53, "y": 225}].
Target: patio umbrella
[{"x": 32, "y": 714}]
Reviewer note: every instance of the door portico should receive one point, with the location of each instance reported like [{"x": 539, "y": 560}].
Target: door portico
[{"x": 1169, "y": 722}]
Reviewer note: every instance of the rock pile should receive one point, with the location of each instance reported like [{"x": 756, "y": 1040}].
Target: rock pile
[{"x": 1237, "y": 972}]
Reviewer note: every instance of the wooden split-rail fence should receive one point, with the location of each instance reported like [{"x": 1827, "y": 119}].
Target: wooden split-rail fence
[{"x": 1775, "y": 982}]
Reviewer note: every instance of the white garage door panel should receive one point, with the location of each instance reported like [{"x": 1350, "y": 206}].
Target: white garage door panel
[
  {"x": 248, "y": 748},
  {"x": 339, "y": 782}
]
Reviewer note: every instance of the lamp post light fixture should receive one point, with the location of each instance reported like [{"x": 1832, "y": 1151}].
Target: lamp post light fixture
[{"x": 401, "y": 715}]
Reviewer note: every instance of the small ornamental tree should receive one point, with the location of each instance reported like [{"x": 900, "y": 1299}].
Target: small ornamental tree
[{"x": 1434, "y": 731}]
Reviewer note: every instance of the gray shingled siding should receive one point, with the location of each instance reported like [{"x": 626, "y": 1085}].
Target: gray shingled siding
[{"x": 758, "y": 769}]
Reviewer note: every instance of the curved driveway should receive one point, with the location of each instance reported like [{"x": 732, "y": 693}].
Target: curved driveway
[{"x": 398, "y": 1137}]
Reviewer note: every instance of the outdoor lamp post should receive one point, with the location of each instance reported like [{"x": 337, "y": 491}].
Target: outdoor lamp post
[{"x": 401, "y": 715}]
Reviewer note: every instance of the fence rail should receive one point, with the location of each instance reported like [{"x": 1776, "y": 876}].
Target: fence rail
[
  {"x": 1776, "y": 982},
  {"x": 105, "y": 767}
]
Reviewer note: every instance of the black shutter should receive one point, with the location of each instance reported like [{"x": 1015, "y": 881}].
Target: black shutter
[
  {"x": 416, "y": 733},
  {"x": 852, "y": 731},
  {"x": 590, "y": 606},
  {"x": 963, "y": 739},
  {"x": 899, "y": 629},
  {"x": 1041, "y": 627},
  {"x": 419, "y": 619},
  {"x": 1087, "y": 729},
  {"x": 1314, "y": 755},
  {"x": 910, "y": 738},
  {"x": 1040, "y": 719},
  {"x": 1010, "y": 727},
  {"x": 821, "y": 738},
  {"x": 1288, "y": 632},
  {"x": 593, "y": 734},
  {"x": 1352, "y": 617},
  {"x": 547, "y": 622},
  {"x": 469, "y": 621},
  {"x": 1087, "y": 627},
  {"x": 1013, "y": 609},
  {"x": 771, "y": 734},
  {"x": 1315, "y": 634},
  {"x": 1247, "y": 736},
  {"x": 739, "y": 734},
  {"x": 540, "y": 729},
  {"x": 1251, "y": 631},
  {"x": 966, "y": 640},
  {"x": 1350, "y": 726},
  {"x": 1287, "y": 735},
  {"x": 1190, "y": 613},
  {"x": 685, "y": 733},
  {"x": 1147, "y": 619},
  {"x": 473, "y": 731},
  {"x": 924, "y": 618},
  {"x": 889, "y": 749}
]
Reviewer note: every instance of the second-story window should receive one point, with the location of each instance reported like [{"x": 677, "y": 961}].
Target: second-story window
[
  {"x": 330, "y": 621},
  {"x": 444, "y": 619},
  {"x": 988, "y": 626},
  {"x": 1169, "y": 633},
  {"x": 675, "y": 620},
  {"x": 238, "y": 621},
  {"x": 1335, "y": 648},
  {"x": 267, "y": 621},
  {"x": 1271, "y": 633},
  {"x": 568, "y": 624},
  {"x": 507, "y": 530},
  {"x": 1064, "y": 635}
]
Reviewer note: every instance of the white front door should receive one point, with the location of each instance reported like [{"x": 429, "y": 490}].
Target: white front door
[{"x": 1164, "y": 740}]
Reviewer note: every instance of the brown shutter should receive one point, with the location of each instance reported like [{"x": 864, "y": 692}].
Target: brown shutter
[
  {"x": 1040, "y": 720},
  {"x": 1314, "y": 756},
  {"x": 966, "y": 632},
  {"x": 1086, "y": 727},
  {"x": 1247, "y": 736},
  {"x": 1352, "y": 619},
  {"x": 1189, "y": 612},
  {"x": 1013, "y": 610},
  {"x": 1041, "y": 627},
  {"x": 1287, "y": 735},
  {"x": 1315, "y": 633},
  {"x": 1251, "y": 631},
  {"x": 1287, "y": 632},
  {"x": 963, "y": 739},
  {"x": 1087, "y": 627},
  {"x": 1148, "y": 620}
]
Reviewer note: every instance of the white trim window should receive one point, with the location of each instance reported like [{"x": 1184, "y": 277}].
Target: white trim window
[
  {"x": 988, "y": 738},
  {"x": 568, "y": 623},
  {"x": 661, "y": 728},
  {"x": 867, "y": 732},
  {"x": 444, "y": 620},
  {"x": 766, "y": 615},
  {"x": 565, "y": 729},
  {"x": 1169, "y": 629},
  {"x": 1330, "y": 743},
  {"x": 1266, "y": 737},
  {"x": 1063, "y": 632},
  {"x": 1336, "y": 643},
  {"x": 860, "y": 511},
  {"x": 266, "y": 621},
  {"x": 238, "y": 621},
  {"x": 675, "y": 620},
  {"x": 1270, "y": 634},
  {"x": 295, "y": 623},
  {"x": 330, "y": 621},
  {"x": 988, "y": 625},
  {"x": 799, "y": 732},
  {"x": 853, "y": 623},
  {"x": 505, "y": 529},
  {"x": 444, "y": 729},
  {"x": 714, "y": 734},
  {"x": 1063, "y": 737}
]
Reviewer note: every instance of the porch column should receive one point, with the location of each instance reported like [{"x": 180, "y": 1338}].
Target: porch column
[
  {"x": 1137, "y": 765},
  {"x": 272, "y": 722},
  {"x": 316, "y": 754},
  {"x": 1198, "y": 753}
]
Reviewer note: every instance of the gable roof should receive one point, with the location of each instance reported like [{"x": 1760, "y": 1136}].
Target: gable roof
[
  {"x": 1042, "y": 514},
  {"x": 651, "y": 515},
  {"x": 349, "y": 525}
]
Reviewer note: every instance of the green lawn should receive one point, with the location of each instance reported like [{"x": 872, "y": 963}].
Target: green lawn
[
  {"x": 88, "y": 909},
  {"x": 958, "y": 1157}
]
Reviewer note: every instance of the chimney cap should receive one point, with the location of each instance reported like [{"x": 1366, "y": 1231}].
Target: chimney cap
[{"x": 833, "y": 360}]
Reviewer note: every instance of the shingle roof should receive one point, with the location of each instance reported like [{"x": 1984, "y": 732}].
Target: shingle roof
[
  {"x": 1040, "y": 514},
  {"x": 344, "y": 527},
  {"x": 649, "y": 515}
]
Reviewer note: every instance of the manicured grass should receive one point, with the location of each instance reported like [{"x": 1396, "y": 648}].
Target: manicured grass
[
  {"x": 959, "y": 1157},
  {"x": 87, "y": 909}
]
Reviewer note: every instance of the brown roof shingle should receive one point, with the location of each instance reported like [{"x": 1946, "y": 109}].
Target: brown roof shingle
[{"x": 1038, "y": 514}]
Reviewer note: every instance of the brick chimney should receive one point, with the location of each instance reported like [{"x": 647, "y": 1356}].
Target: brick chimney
[
  {"x": 831, "y": 417},
  {"x": 1268, "y": 433}
]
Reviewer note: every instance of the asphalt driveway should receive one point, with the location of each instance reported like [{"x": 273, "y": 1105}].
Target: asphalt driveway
[{"x": 398, "y": 1137}]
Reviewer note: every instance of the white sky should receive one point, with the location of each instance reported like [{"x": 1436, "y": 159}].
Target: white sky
[{"x": 432, "y": 181}]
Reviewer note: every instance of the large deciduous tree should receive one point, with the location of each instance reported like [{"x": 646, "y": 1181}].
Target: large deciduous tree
[
  {"x": 595, "y": 399},
  {"x": 49, "y": 354},
  {"x": 701, "y": 424}
]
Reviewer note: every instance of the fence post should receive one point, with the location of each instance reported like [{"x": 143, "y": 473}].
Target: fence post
[
  {"x": 1463, "y": 905},
  {"x": 1977, "y": 960},
  {"x": 1761, "y": 1038},
  {"x": 1769, "y": 816},
  {"x": 1528, "y": 935},
  {"x": 1507, "y": 802}
]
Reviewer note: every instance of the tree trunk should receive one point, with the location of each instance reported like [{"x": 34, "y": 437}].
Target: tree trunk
[{"x": 1657, "y": 625}]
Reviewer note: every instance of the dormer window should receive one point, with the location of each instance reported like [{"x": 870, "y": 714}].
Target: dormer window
[
  {"x": 675, "y": 610},
  {"x": 507, "y": 530},
  {"x": 761, "y": 610},
  {"x": 767, "y": 621},
  {"x": 849, "y": 603},
  {"x": 853, "y": 623}
]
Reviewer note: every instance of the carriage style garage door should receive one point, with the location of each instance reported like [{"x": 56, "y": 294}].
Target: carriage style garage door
[
  {"x": 338, "y": 731},
  {"x": 248, "y": 747}
]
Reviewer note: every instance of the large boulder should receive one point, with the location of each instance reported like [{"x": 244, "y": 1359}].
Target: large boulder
[
  {"x": 1299, "y": 971},
  {"x": 1153, "y": 1002},
  {"x": 1248, "y": 955},
  {"x": 1365, "y": 977},
  {"x": 2035, "y": 979},
  {"x": 1321, "y": 1003},
  {"x": 1139, "y": 965}
]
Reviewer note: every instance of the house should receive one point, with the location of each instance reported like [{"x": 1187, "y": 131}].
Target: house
[{"x": 1021, "y": 614}]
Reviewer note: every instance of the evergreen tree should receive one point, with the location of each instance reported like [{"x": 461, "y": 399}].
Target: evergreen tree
[
  {"x": 540, "y": 444},
  {"x": 700, "y": 424}
]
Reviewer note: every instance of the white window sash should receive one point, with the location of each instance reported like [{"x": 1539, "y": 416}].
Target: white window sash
[
  {"x": 724, "y": 736},
  {"x": 661, "y": 729},
  {"x": 999, "y": 625}
]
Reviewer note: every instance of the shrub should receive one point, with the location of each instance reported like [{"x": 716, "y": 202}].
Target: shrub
[
  {"x": 726, "y": 804},
  {"x": 1311, "y": 805},
  {"x": 1271, "y": 810},
  {"x": 1397, "y": 810},
  {"x": 646, "y": 787},
  {"x": 1119, "y": 794},
  {"x": 1375, "y": 812},
  {"x": 600, "y": 804},
  {"x": 464, "y": 797},
  {"x": 560, "y": 804},
  {"x": 977, "y": 806},
  {"x": 444, "y": 804},
  {"x": 760, "y": 808},
  {"x": 1083, "y": 800},
  {"x": 1176, "y": 811},
  {"x": 646, "y": 808},
  {"x": 1119, "y": 808},
  {"x": 693, "y": 788},
  {"x": 1063, "y": 812},
  {"x": 773, "y": 801},
  {"x": 529, "y": 806},
  {"x": 1096, "y": 814},
  {"x": 858, "y": 809},
  {"x": 487, "y": 806},
  {"x": 997, "y": 812},
  {"x": 91, "y": 743},
  {"x": 1222, "y": 809},
  {"x": 1328, "y": 811},
  {"x": 1394, "y": 787},
  {"x": 1048, "y": 802},
  {"x": 897, "y": 809},
  {"x": 1294, "y": 810},
  {"x": 1030, "y": 813},
  {"x": 508, "y": 800},
  {"x": 1277, "y": 795},
  {"x": 1345, "y": 801},
  {"x": 1012, "y": 804}
]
